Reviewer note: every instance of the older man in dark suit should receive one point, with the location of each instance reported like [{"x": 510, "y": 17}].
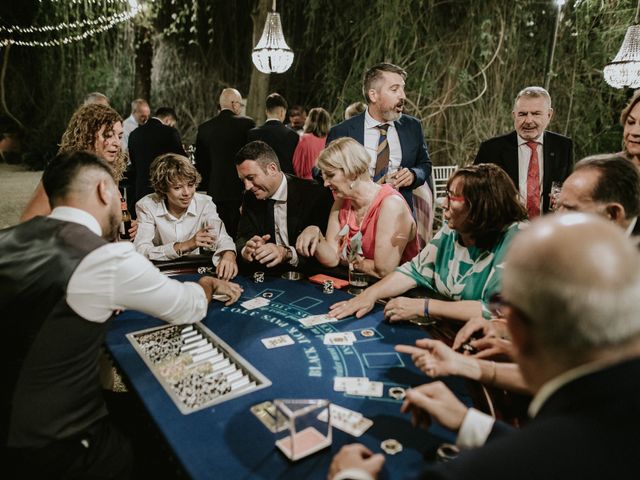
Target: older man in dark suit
[
  {"x": 531, "y": 156},
  {"x": 276, "y": 208},
  {"x": 276, "y": 134},
  {"x": 395, "y": 141},
  {"x": 576, "y": 334},
  {"x": 147, "y": 142},
  {"x": 217, "y": 143}
]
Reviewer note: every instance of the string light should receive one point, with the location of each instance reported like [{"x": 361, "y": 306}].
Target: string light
[{"x": 98, "y": 25}]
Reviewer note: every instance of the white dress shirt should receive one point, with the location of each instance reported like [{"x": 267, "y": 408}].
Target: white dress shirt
[
  {"x": 116, "y": 277},
  {"x": 128, "y": 126},
  {"x": 280, "y": 219},
  {"x": 371, "y": 138},
  {"x": 524, "y": 155},
  {"x": 158, "y": 229}
]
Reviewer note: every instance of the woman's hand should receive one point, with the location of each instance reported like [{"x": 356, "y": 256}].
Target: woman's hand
[
  {"x": 227, "y": 267},
  {"x": 434, "y": 358},
  {"x": 403, "y": 308},
  {"x": 359, "y": 305},
  {"x": 308, "y": 241}
]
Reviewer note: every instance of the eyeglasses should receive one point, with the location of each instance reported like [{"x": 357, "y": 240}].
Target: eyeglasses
[
  {"x": 453, "y": 198},
  {"x": 498, "y": 308}
]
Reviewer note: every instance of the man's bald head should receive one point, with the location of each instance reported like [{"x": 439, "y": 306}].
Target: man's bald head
[
  {"x": 230, "y": 99},
  {"x": 576, "y": 278}
]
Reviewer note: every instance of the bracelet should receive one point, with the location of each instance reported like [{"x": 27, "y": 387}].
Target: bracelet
[{"x": 426, "y": 308}]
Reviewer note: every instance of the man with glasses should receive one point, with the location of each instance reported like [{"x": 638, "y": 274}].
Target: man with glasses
[
  {"x": 576, "y": 332},
  {"x": 217, "y": 143}
]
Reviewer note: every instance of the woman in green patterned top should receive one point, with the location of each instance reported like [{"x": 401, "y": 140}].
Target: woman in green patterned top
[{"x": 463, "y": 262}]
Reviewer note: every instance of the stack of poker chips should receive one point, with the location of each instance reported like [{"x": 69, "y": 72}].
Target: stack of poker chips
[{"x": 327, "y": 286}]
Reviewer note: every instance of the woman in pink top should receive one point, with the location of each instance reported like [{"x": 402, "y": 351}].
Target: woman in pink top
[
  {"x": 370, "y": 225},
  {"x": 311, "y": 143}
]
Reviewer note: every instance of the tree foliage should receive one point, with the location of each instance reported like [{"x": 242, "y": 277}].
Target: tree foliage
[{"x": 466, "y": 60}]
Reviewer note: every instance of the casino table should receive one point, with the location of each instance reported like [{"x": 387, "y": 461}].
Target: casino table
[{"x": 228, "y": 441}]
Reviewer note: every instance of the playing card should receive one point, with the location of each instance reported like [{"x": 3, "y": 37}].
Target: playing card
[
  {"x": 339, "y": 338},
  {"x": 279, "y": 341},
  {"x": 362, "y": 386},
  {"x": 348, "y": 421},
  {"x": 312, "y": 320},
  {"x": 340, "y": 384},
  {"x": 255, "y": 303}
]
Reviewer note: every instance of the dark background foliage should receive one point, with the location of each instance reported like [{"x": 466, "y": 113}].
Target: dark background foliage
[{"x": 466, "y": 60}]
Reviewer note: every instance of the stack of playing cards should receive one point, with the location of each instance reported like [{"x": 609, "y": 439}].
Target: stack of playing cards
[
  {"x": 349, "y": 421},
  {"x": 313, "y": 320},
  {"x": 358, "y": 386},
  {"x": 279, "y": 341},
  {"x": 339, "y": 338},
  {"x": 254, "y": 303}
]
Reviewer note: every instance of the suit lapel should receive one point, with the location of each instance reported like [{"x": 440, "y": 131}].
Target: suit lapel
[
  {"x": 404, "y": 139},
  {"x": 293, "y": 209},
  {"x": 510, "y": 162},
  {"x": 549, "y": 162},
  {"x": 356, "y": 129}
]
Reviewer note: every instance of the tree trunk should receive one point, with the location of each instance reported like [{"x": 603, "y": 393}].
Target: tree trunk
[
  {"x": 143, "y": 59},
  {"x": 259, "y": 87}
]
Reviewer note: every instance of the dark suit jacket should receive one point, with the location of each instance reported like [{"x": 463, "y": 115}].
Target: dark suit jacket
[
  {"x": 217, "y": 143},
  {"x": 145, "y": 144},
  {"x": 414, "y": 149},
  {"x": 588, "y": 429},
  {"x": 307, "y": 204},
  {"x": 557, "y": 159},
  {"x": 279, "y": 137}
]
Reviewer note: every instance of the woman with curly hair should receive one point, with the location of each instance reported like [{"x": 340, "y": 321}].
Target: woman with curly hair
[{"x": 95, "y": 128}]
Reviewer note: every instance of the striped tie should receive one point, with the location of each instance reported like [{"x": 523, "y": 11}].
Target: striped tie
[{"x": 382, "y": 160}]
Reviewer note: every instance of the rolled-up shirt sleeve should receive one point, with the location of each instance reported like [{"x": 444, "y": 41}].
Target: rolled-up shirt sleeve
[{"x": 116, "y": 277}]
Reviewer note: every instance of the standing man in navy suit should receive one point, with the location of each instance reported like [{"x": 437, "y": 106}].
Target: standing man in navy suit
[
  {"x": 276, "y": 134},
  {"x": 513, "y": 152},
  {"x": 395, "y": 141}
]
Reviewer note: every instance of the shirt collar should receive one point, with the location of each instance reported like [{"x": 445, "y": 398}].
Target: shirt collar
[
  {"x": 76, "y": 215},
  {"x": 631, "y": 226},
  {"x": 370, "y": 122},
  {"x": 522, "y": 141},
  {"x": 281, "y": 193},
  {"x": 162, "y": 209},
  {"x": 556, "y": 383}
]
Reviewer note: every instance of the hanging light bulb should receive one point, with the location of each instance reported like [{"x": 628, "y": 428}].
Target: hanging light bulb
[
  {"x": 624, "y": 70},
  {"x": 272, "y": 54}
]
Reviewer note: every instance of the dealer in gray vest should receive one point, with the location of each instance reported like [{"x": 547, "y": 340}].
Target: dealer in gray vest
[{"x": 61, "y": 281}]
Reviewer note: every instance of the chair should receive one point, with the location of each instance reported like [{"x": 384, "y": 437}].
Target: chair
[{"x": 440, "y": 177}]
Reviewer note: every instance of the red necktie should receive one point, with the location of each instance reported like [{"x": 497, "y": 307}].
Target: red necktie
[{"x": 533, "y": 182}]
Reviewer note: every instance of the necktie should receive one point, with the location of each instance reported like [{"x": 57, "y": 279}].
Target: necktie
[
  {"x": 270, "y": 221},
  {"x": 382, "y": 160},
  {"x": 533, "y": 182}
]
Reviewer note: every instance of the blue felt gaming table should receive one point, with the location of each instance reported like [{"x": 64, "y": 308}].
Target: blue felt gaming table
[{"x": 228, "y": 441}]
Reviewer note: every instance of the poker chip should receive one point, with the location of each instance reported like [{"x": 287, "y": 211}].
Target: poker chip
[
  {"x": 391, "y": 446},
  {"x": 447, "y": 451},
  {"x": 367, "y": 332},
  {"x": 258, "y": 277},
  {"x": 267, "y": 294},
  {"x": 397, "y": 392}
]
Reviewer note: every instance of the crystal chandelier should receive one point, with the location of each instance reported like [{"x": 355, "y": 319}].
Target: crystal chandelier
[
  {"x": 624, "y": 70},
  {"x": 272, "y": 54}
]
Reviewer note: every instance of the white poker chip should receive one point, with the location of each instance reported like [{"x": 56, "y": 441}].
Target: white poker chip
[
  {"x": 397, "y": 392},
  {"x": 367, "y": 332},
  {"x": 447, "y": 451},
  {"x": 391, "y": 446},
  {"x": 267, "y": 294}
]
